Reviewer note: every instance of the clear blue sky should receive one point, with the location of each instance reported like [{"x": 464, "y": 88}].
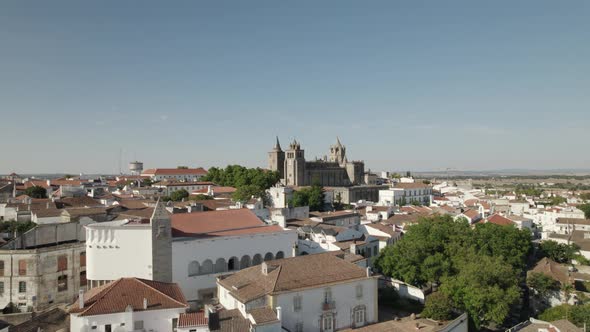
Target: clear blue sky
[{"x": 418, "y": 85}]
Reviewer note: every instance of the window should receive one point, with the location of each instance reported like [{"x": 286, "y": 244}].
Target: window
[
  {"x": 62, "y": 283},
  {"x": 174, "y": 323},
  {"x": 299, "y": 327},
  {"x": 138, "y": 325},
  {"x": 1, "y": 287},
  {"x": 22, "y": 267},
  {"x": 327, "y": 323},
  {"x": 107, "y": 328},
  {"x": 62, "y": 263},
  {"x": 359, "y": 291},
  {"x": 359, "y": 316},
  {"x": 83, "y": 280},
  {"x": 1, "y": 268},
  {"x": 22, "y": 286},
  {"x": 375, "y": 251},
  {"x": 327, "y": 295},
  {"x": 297, "y": 303},
  {"x": 83, "y": 259}
]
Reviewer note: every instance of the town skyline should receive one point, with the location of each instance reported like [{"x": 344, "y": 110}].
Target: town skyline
[{"x": 405, "y": 85}]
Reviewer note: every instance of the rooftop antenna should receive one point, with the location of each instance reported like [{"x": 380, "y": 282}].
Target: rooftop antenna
[{"x": 120, "y": 159}]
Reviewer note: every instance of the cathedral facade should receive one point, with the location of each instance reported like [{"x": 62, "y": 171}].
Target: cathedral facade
[{"x": 332, "y": 171}]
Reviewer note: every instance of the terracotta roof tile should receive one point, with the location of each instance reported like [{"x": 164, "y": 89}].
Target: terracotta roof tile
[
  {"x": 192, "y": 319},
  {"x": 116, "y": 296}
]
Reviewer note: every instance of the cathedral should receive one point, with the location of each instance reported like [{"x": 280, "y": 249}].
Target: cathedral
[{"x": 332, "y": 171}]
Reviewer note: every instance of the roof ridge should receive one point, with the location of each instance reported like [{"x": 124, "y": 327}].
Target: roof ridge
[
  {"x": 100, "y": 295},
  {"x": 159, "y": 291},
  {"x": 274, "y": 286}
]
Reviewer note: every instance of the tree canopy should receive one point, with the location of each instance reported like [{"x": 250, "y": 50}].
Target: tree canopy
[
  {"x": 179, "y": 195},
  {"x": 312, "y": 197},
  {"x": 577, "y": 314},
  {"x": 248, "y": 181},
  {"x": 36, "y": 192},
  {"x": 476, "y": 267},
  {"x": 559, "y": 252},
  {"x": 541, "y": 283},
  {"x": 586, "y": 209}
]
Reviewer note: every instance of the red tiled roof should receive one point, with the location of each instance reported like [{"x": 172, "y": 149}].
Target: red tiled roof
[
  {"x": 116, "y": 296},
  {"x": 499, "y": 220},
  {"x": 471, "y": 213},
  {"x": 216, "y": 190},
  {"x": 175, "y": 171},
  {"x": 414, "y": 185},
  {"x": 192, "y": 319},
  {"x": 219, "y": 223}
]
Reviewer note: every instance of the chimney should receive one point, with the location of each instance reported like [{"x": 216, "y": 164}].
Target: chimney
[
  {"x": 353, "y": 248},
  {"x": 279, "y": 313},
  {"x": 368, "y": 271},
  {"x": 213, "y": 318},
  {"x": 81, "y": 299},
  {"x": 145, "y": 304}
]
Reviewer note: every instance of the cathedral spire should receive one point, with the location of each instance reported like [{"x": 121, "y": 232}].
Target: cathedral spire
[
  {"x": 338, "y": 141},
  {"x": 277, "y": 145}
]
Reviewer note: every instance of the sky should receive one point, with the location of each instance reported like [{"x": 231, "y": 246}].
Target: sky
[{"x": 406, "y": 85}]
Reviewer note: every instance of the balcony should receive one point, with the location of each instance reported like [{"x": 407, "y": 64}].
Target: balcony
[{"x": 329, "y": 305}]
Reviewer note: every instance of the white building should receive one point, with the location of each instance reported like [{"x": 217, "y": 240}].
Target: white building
[
  {"x": 191, "y": 249},
  {"x": 318, "y": 292},
  {"x": 406, "y": 193},
  {"x": 178, "y": 174},
  {"x": 168, "y": 187},
  {"x": 128, "y": 304},
  {"x": 280, "y": 196}
]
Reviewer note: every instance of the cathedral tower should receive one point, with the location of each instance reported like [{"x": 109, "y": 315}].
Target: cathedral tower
[
  {"x": 276, "y": 160},
  {"x": 295, "y": 165},
  {"x": 338, "y": 153}
]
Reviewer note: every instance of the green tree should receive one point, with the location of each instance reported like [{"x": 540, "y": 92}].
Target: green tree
[
  {"x": 36, "y": 192},
  {"x": 559, "y": 252},
  {"x": 438, "y": 307},
  {"x": 246, "y": 192},
  {"x": 485, "y": 287},
  {"x": 312, "y": 196},
  {"x": 586, "y": 209},
  {"x": 577, "y": 314},
  {"x": 541, "y": 283},
  {"x": 556, "y": 200},
  {"x": 147, "y": 182},
  {"x": 200, "y": 197},
  {"x": 179, "y": 195}
]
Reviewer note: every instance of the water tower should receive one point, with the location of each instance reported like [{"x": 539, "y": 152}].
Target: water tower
[{"x": 136, "y": 167}]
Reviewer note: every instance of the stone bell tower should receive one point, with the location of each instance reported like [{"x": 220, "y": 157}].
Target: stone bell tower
[{"x": 276, "y": 160}]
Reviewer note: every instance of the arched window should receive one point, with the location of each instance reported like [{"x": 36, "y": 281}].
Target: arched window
[
  {"x": 233, "y": 264},
  {"x": 359, "y": 315},
  {"x": 257, "y": 259},
  {"x": 245, "y": 262},
  {"x": 193, "y": 268},
  {"x": 220, "y": 265},
  {"x": 207, "y": 267},
  {"x": 268, "y": 256},
  {"x": 280, "y": 255}
]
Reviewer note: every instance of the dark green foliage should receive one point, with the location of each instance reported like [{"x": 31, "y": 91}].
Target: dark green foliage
[
  {"x": 179, "y": 195},
  {"x": 200, "y": 197},
  {"x": 147, "y": 182},
  {"x": 438, "y": 307},
  {"x": 556, "y": 200},
  {"x": 586, "y": 209},
  {"x": 542, "y": 283},
  {"x": 312, "y": 197},
  {"x": 36, "y": 192},
  {"x": 18, "y": 226},
  {"x": 559, "y": 252},
  {"x": 248, "y": 181},
  {"x": 528, "y": 190},
  {"x": 577, "y": 314},
  {"x": 477, "y": 268}
]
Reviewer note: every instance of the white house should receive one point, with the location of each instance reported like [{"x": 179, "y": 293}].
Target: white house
[
  {"x": 179, "y": 174},
  {"x": 128, "y": 304},
  {"x": 280, "y": 196},
  {"x": 190, "y": 249},
  {"x": 320, "y": 292},
  {"x": 406, "y": 193}
]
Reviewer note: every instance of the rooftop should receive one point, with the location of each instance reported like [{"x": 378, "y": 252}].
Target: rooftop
[
  {"x": 116, "y": 296},
  {"x": 219, "y": 223},
  {"x": 290, "y": 274}
]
